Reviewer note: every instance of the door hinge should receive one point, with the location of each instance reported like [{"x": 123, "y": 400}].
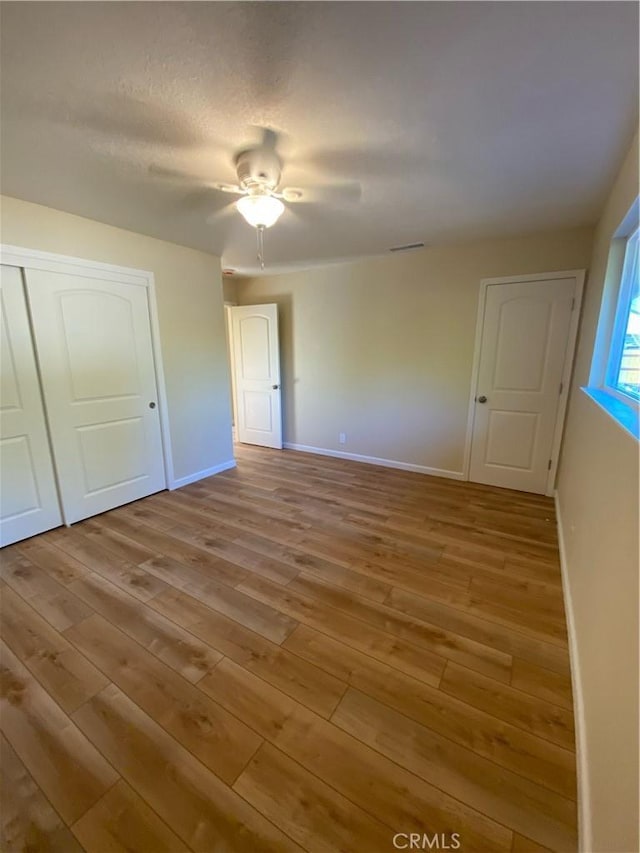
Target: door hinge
[
  {"x": 561, "y": 387},
  {"x": 549, "y": 466},
  {"x": 573, "y": 303}
]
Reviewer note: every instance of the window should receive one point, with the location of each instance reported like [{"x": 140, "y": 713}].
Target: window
[
  {"x": 614, "y": 380},
  {"x": 623, "y": 373}
]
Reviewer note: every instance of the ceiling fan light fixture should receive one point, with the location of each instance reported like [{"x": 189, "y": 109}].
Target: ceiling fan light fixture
[{"x": 260, "y": 211}]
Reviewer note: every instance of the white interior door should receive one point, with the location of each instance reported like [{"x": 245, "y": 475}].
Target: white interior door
[
  {"x": 93, "y": 340},
  {"x": 28, "y": 497},
  {"x": 257, "y": 374},
  {"x": 524, "y": 343}
]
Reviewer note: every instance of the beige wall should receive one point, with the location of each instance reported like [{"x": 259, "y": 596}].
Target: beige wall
[
  {"x": 382, "y": 349},
  {"x": 190, "y": 309},
  {"x": 598, "y": 501},
  {"x": 229, "y": 290}
]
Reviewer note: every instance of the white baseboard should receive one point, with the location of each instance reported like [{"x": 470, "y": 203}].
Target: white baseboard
[
  {"x": 374, "y": 460},
  {"x": 585, "y": 844},
  {"x": 200, "y": 475}
]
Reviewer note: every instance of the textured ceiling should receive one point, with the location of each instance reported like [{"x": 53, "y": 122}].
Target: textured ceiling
[{"x": 459, "y": 120}]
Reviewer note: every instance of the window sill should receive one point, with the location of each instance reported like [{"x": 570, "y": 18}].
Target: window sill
[{"x": 622, "y": 413}]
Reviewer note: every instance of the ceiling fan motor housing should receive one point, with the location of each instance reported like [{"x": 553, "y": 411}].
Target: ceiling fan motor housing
[{"x": 258, "y": 168}]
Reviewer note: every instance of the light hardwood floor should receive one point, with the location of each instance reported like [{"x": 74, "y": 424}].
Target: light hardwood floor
[{"x": 301, "y": 653}]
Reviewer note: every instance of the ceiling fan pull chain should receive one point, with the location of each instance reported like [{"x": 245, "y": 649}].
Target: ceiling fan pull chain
[{"x": 260, "y": 230}]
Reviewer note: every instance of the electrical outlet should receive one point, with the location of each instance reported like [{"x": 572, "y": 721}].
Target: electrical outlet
[{"x": 342, "y": 438}]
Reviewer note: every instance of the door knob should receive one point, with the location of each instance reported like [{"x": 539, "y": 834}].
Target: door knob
[
  {"x": 275, "y": 387},
  {"x": 152, "y": 405},
  {"x": 481, "y": 399}
]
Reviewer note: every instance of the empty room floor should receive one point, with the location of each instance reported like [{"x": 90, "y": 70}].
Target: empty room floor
[{"x": 300, "y": 653}]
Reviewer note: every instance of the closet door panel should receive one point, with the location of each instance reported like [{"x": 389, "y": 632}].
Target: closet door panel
[
  {"x": 93, "y": 340},
  {"x": 28, "y": 497}
]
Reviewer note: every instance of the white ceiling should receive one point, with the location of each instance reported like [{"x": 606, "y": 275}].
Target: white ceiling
[{"x": 459, "y": 120}]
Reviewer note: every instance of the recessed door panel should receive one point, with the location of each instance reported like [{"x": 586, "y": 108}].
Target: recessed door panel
[
  {"x": 87, "y": 343},
  {"x": 18, "y": 488},
  {"x": 93, "y": 340},
  {"x": 124, "y": 463},
  {"x": 522, "y": 354},
  {"x": 511, "y": 439},
  {"x": 257, "y": 374},
  {"x": 257, "y": 411},
  {"x": 255, "y": 348},
  {"x": 28, "y": 498},
  {"x": 523, "y": 344},
  {"x": 9, "y": 391}
]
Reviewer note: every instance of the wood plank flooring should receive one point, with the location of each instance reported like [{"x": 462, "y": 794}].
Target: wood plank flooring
[{"x": 301, "y": 653}]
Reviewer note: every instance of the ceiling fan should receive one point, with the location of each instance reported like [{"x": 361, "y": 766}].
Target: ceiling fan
[
  {"x": 261, "y": 202},
  {"x": 259, "y": 170}
]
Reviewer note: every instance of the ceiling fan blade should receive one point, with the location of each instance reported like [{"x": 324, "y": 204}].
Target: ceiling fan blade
[
  {"x": 347, "y": 193},
  {"x": 218, "y": 215},
  {"x": 291, "y": 194},
  {"x": 369, "y": 162},
  {"x": 269, "y": 138},
  {"x": 229, "y": 188},
  {"x": 175, "y": 174},
  {"x": 122, "y": 116},
  {"x": 187, "y": 177}
]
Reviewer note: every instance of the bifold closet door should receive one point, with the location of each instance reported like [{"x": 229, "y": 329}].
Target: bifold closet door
[
  {"x": 28, "y": 498},
  {"x": 93, "y": 341}
]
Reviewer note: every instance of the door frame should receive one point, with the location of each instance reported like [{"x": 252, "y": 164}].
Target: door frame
[
  {"x": 578, "y": 276},
  {"x": 17, "y": 256},
  {"x": 235, "y": 340},
  {"x": 232, "y": 365}
]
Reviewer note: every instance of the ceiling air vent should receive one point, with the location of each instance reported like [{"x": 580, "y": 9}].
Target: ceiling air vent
[{"x": 407, "y": 247}]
